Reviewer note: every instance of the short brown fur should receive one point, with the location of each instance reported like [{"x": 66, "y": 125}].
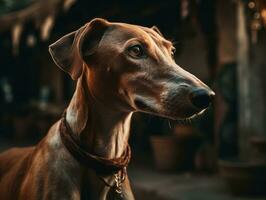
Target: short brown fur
[{"x": 112, "y": 83}]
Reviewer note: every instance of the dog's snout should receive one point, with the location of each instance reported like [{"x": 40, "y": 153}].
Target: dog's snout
[{"x": 202, "y": 98}]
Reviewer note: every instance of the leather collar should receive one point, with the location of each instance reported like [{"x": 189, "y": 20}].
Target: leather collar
[{"x": 99, "y": 164}]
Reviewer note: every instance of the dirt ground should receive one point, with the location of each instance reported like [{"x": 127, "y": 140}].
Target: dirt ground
[{"x": 150, "y": 184}]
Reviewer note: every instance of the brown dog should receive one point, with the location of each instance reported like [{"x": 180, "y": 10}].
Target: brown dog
[{"x": 120, "y": 69}]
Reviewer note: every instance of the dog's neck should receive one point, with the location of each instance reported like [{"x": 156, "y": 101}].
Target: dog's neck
[{"x": 103, "y": 130}]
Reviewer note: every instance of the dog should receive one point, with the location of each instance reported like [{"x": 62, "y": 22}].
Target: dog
[{"x": 119, "y": 69}]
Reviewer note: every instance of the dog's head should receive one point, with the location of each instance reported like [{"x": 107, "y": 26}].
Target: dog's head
[{"x": 131, "y": 68}]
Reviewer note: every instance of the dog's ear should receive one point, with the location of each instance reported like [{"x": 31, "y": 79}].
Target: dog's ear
[
  {"x": 66, "y": 55},
  {"x": 92, "y": 36},
  {"x": 69, "y": 51},
  {"x": 156, "y": 29}
]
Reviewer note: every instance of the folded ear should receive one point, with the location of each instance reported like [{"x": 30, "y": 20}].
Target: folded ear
[
  {"x": 156, "y": 29},
  {"x": 92, "y": 36},
  {"x": 67, "y": 52}
]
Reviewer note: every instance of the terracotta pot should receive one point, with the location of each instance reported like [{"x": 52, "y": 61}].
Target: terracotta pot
[
  {"x": 173, "y": 153},
  {"x": 184, "y": 130},
  {"x": 168, "y": 155},
  {"x": 259, "y": 146},
  {"x": 244, "y": 178}
]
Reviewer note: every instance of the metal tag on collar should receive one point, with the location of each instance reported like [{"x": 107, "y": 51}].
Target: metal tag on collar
[
  {"x": 118, "y": 187},
  {"x": 119, "y": 178}
]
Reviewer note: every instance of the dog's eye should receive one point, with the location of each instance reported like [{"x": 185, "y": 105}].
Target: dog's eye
[{"x": 136, "y": 51}]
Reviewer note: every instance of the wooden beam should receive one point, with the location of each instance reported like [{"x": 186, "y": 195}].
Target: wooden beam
[{"x": 35, "y": 11}]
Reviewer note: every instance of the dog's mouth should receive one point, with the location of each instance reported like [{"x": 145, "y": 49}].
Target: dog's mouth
[
  {"x": 168, "y": 112},
  {"x": 193, "y": 117},
  {"x": 197, "y": 114}
]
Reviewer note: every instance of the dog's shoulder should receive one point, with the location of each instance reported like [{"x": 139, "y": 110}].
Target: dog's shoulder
[
  {"x": 13, "y": 166},
  {"x": 13, "y": 157}
]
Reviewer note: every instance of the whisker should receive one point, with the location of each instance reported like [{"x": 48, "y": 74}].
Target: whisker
[{"x": 192, "y": 119}]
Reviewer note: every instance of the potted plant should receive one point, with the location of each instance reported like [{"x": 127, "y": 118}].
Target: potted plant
[
  {"x": 244, "y": 177},
  {"x": 258, "y": 144},
  {"x": 175, "y": 149},
  {"x": 247, "y": 177}
]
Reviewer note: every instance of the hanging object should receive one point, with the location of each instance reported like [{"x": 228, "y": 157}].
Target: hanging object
[
  {"x": 31, "y": 40},
  {"x": 184, "y": 8},
  {"x": 68, "y": 4},
  {"x": 251, "y": 5},
  {"x": 46, "y": 27},
  {"x": 258, "y": 21},
  {"x": 16, "y": 33},
  {"x": 42, "y": 13}
]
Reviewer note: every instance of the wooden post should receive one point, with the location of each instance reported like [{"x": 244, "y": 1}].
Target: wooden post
[
  {"x": 251, "y": 82},
  {"x": 244, "y": 112}
]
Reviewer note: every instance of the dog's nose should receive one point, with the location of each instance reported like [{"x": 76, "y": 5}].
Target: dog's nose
[{"x": 202, "y": 98}]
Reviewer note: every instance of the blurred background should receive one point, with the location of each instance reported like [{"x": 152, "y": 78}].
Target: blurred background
[{"x": 219, "y": 155}]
